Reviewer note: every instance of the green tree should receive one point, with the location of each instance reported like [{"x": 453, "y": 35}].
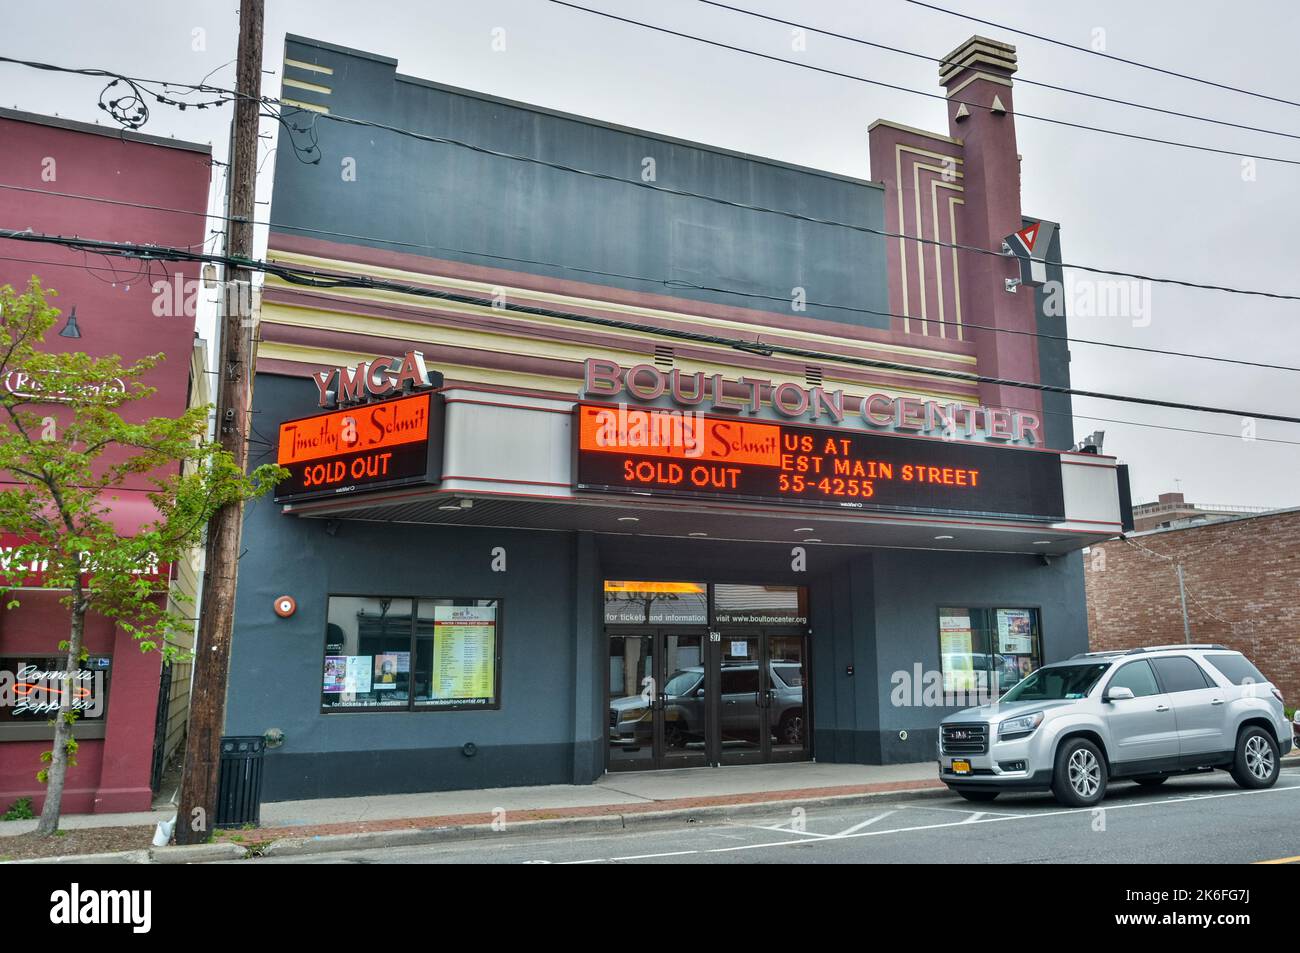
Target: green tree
[{"x": 66, "y": 450}]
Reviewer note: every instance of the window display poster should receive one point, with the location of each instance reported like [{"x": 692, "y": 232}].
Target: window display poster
[
  {"x": 336, "y": 667},
  {"x": 387, "y": 667},
  {"x": 464, "y": 652},
  {"x": 347, "y": 674},
  {"x": 956, "y": 643},
  {"x": 1015, "y": 631}
]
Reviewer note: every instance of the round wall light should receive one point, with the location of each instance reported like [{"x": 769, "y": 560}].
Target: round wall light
[{"x": 285, "y": 606}]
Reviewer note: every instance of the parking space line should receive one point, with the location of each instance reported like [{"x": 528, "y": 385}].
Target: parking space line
[
  {"x": 670, "y": 853},
  {"x": 960, "y": 810},
  {"x": 869, "y": 821},
  {"x": 782, "y": 830}
]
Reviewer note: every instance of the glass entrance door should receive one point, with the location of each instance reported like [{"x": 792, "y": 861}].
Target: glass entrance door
[
  {"x": 657, "y": 699},
  {"x": 762, "y": 681}
]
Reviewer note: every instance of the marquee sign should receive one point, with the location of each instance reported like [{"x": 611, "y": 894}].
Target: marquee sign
[
  {"x": 379, "y": 445},
  {"x": 669, "y": 453},
  {"x": 748, "y": 396}
]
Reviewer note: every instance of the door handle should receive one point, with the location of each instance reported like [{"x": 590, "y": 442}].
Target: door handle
[
  {"x": 1162, "y": 708},
  {"x": 1217, "y": 701}
]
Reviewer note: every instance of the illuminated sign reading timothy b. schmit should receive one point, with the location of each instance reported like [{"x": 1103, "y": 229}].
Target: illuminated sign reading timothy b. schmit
[{"x": 389, "y": 443}]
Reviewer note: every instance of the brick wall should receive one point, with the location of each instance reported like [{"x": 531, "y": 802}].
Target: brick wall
[{"x": 1243, "y": 590}]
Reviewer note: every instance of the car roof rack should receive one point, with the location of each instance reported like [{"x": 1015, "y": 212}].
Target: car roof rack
[
  {"x": 1174, "y": 647},
  {"x": 1178, "y": 646}
]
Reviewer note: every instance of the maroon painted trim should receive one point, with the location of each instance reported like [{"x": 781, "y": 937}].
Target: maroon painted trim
[
  {"x": 432, "y": 315},
  {"x": 405, "y": 261},
  {"x": 555, "y": 367}
]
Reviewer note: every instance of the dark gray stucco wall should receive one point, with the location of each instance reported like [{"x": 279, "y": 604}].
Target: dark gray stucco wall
[
  {"x": 910, "y": 588},
  {"x": 445, "y": 201},
  {"x": 541, "y": 734}
]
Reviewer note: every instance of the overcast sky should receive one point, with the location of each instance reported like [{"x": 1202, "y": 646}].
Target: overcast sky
[{"x": 1137, "y": 207}]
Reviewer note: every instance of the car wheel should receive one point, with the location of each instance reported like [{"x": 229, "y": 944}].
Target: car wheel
[
  {"x": 1153, "y": 781},
  {"x": 675, "y": 734},
  {"x": 1256, "y": 764},
  {"x": 1079, "y": 779},
  {"x": 790, "y": 730},
  {"x": 976, "y": 794}
]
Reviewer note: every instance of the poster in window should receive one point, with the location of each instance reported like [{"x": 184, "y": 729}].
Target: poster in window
[
  {"x": 464, "y": 653},
  {"x": 956, "y": 645},
  {"x": 1015, "y": 631},
  {"x": 336, "y": 668},
  {"x": 387, "y": 667},
  {"x": 356, "y": 675}
]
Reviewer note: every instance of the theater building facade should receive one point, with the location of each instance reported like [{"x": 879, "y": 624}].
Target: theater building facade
[{"x": 609, "y": 471}]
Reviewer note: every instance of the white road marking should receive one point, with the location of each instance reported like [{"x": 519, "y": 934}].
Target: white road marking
[
  {"x": 856, "y": 833},
  {"x": 869, "y": 821},
  {"x": 783, "y": 830},
  {"x": 670, "y": 853},
  {"x": 957, "y": 810}
]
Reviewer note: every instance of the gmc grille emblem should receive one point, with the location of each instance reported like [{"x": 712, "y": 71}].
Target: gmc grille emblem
[{"x": 960, "y": 735}]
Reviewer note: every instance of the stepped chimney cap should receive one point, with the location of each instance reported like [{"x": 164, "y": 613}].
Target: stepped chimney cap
[{"x": 979, "y": 52}]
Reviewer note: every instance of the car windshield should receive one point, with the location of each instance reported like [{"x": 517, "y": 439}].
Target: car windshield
[
  {"x": 1057, "y": 682},
  {"x": 680, "y": 683}
]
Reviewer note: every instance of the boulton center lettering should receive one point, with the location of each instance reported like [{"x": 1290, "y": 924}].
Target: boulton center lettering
[{"x": 714, "y": 393}]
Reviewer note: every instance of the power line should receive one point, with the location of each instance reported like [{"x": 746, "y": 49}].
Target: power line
[
  {"x": 797, "y": 216},
  {"x": 666, "y": 282},
  {"x": 1052, "y": 413},
  {"x": 327, "y": 280},
  {"x": 1019, "y": 79},
  {"x": 683, "y": 193},
  {"x": 916, "y": 92},
  {"x": 1109, "y": 56}
]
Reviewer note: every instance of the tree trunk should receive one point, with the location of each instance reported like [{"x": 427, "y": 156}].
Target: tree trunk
[{"x": 57, "y": 770}]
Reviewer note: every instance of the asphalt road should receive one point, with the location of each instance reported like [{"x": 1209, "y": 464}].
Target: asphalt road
[{"x": 1202, "y": 819}]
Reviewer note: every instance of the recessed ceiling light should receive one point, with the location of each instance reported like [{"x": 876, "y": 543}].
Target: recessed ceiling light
[
  {"x": 945, "y": 537},
  {"x": 629, "y": 519},
  {"x": 452, "y": 507},
  {"x": 697, "y": 534},
  {"x": 803, "y": 529},
  {"x": 1042, "y": 542},
  {"x": 811, "y": 539}
]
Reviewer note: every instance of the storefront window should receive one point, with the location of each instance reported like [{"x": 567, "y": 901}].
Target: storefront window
[
  {"x": 400, "y": 654},
  {"x": 988, "y": 650},
  {"x": 32, "y": 687},
  {"x": 656, "y": 603},
  {"x": 759, "y": 605}
]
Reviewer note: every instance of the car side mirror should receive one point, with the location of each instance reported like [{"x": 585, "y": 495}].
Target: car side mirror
[{"x": 1118, "y": 693}]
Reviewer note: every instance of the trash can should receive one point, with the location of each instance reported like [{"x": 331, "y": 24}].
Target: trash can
[{"x": 239, "y": 781}]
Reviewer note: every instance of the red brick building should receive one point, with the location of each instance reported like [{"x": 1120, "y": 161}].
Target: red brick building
[{"x": 1241, "y": 577}]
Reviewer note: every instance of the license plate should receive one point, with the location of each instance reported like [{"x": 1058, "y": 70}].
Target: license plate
[{"x": 961, "y": 767}]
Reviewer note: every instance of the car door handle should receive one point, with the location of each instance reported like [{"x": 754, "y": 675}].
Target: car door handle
[
  {"x": 1217, "y": 701},
  {"x": 1162, "y": 708}
]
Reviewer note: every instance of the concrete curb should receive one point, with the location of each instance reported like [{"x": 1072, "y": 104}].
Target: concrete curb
[
  {"x": 590, "y": 824},
  {"x": 197, "y": 853},
  {"x": 113, "y": 857}
]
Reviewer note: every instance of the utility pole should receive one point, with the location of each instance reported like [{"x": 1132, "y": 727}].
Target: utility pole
[{"x": 194, "y": 822}]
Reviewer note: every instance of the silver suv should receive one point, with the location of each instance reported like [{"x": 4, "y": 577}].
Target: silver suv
[{"x": 1146, "y": 714}]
